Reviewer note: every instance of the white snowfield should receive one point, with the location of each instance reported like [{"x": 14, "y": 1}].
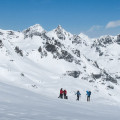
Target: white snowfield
[
  {"x": 35, "y": 64},
  {"x": 21, "y": 104}
]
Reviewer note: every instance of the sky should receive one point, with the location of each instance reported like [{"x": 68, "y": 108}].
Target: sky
[{"x": 92, "y": 17}]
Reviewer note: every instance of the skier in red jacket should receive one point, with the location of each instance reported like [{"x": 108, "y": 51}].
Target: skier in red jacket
[
  {"x": 65, "y": 93},
  {"x": 61, "y": 93}
]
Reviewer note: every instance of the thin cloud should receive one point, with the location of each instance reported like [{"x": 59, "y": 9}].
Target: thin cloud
[
  {"x": 94, "y": 31},
  {"x": 94, "y": 28},
  {"x": 113, "y": 24}
]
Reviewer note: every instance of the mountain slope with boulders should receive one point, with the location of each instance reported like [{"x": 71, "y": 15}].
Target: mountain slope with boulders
[{"x": 45, "y": 61}]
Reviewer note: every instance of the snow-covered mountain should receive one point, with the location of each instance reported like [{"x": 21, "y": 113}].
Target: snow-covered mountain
[
  {"x": 57, "y": 58},
  {"x": 45, "y": 61}
]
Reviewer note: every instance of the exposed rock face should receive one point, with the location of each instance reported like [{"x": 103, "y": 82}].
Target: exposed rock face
[
  {"x": 74, "y": 74},
  {"x": 17, "y": 50},
  {"x": 110, "y": 87},
  {"x": 103, "y": 41},
  {"x": 107, "y": 40},
  {"x": 96, "y": 76},
  {"x": 66, "y": 56},
  {"x": 76, "y": 39},
  {"x": 50, "y": 48},
  {"x": 10, "y": 32},
  {"x": 118, "y": 39},
  {"x": 40, "y": 49},
  {"x": 76, "y": 52},
  {"x": 109, "y": 77},
  {"x": 1, "y": 44}
]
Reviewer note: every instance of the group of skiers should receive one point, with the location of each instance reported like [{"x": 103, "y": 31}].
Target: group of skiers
[
  {"x": 64, "y": 93},
  {"x": 88, "y": 93}
]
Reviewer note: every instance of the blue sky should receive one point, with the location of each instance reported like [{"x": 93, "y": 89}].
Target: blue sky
[{"x": 92, "y": 17}]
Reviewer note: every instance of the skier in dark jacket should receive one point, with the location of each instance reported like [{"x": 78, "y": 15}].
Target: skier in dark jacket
[
  {"x": 78, "y": 95},
  {"x": 61, "y": 93},
  {"x": 65, "y": 93},
  {"x": 88, "y": 95}
]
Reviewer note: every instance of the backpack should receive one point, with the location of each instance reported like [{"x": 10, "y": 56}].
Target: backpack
[
  {"x": 66, "y": 97},
  {"x": 78, "y": 93},
  {"x": 88, "y": 93}
]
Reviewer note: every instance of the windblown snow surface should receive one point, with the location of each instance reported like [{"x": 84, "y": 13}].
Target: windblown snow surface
[
  {"x": 35, "y": 64},
  {"x": 21, "y": 104}
]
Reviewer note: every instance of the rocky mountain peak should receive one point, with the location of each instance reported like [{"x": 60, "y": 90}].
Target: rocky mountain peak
[
  {"x": 59, "y": 27},
  {"x": 36, "y": 27},
  {"x": 62, "y": 33},
  {"x": 34, "y": 30}
]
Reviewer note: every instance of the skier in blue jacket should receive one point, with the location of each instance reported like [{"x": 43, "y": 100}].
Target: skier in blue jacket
[
  {"x": 88, "y": 95},
  {"x": 78, "y": 95}
]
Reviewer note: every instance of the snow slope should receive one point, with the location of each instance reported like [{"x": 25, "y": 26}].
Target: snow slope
[{"x": 17, "y": 103}]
